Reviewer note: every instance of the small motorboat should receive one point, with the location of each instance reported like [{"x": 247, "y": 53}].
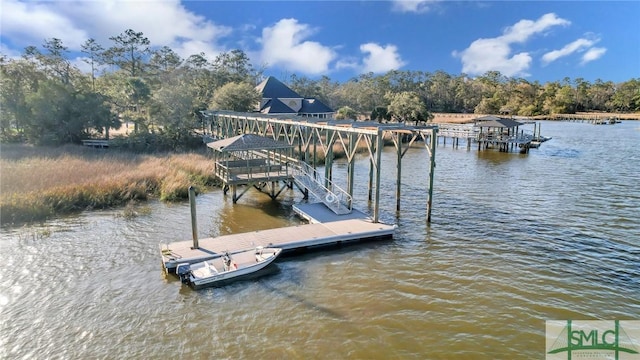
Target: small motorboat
[{"x": 227, "y": 267}]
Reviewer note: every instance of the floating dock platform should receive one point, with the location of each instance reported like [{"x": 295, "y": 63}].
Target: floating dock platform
[
  {"x": 289, "y": 239},
  {"x": 319, "y": 213}
]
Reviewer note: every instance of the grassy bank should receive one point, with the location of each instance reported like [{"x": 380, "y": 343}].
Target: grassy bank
[{"x": 37, "y": 183}]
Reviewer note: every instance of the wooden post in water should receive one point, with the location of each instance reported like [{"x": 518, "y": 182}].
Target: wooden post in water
[
  {"x": 370, "y": 192},
  {"x": 194, "y": 224},
  {"x": 539, "y": 126},
  {"x": 432, "y": 166},
  {"x": 376, "y": 204},
  {"x": 398, "y": 169},
  {"x": 328, "y": 160},
  {"x": 315, "y": 150},
  {"x": 351, "y": 166},
  {"x": 372, "y": 152}
]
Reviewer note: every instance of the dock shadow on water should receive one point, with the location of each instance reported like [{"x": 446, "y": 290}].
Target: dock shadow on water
[
  {"x": 302, "y": 301},
  {"x": 495, "y": 157},
  {"x": 293, "y": 275}
]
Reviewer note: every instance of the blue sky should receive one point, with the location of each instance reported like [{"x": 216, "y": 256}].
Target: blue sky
[{"x": 536, "y": 40}]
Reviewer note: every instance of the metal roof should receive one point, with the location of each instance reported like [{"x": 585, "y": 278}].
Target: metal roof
[
  {"x": 314, "y": 106},
  {"x": 275, "y": 106},
  {"x": 497, "y": 122},
  {"x": 273, "y": 88},
  {"x": 247, "y": 142}
]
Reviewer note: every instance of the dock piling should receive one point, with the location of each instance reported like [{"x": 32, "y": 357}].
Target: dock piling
[{"x": 194, "y": 224}]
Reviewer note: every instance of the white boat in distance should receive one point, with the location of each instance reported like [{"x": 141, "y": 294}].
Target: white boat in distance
[{"x": 226, "y": 268}]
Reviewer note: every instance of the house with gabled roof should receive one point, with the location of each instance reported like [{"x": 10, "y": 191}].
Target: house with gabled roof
[{"x": 279, "y": 99}]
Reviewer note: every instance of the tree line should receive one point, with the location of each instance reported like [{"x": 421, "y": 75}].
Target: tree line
[
  {"x": 45, "y": 99},
  {"x": 384, "y": 96}
]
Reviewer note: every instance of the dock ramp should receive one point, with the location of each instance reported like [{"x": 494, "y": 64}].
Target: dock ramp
[{"x": 332, "y": 196}]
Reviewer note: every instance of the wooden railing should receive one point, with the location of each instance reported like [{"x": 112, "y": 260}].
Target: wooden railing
[{"x": 253, "y": 169}]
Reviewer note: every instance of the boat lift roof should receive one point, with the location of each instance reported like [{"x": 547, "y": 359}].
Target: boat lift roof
[{"x": 247, "y": 142}]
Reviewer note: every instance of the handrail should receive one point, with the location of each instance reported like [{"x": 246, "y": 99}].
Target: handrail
[
  {"x": 260, "y": 171},
  {"x": 304, "y": 169}
]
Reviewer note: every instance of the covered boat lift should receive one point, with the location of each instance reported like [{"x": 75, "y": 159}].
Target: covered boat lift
[
  {"x": 312, "y": 137},
  {"x": 255, "y": 161},
  {"x": 502, "y": 132}
]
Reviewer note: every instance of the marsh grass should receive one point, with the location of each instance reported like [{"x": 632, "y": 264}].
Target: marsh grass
[{"x": 37, "y": 183}]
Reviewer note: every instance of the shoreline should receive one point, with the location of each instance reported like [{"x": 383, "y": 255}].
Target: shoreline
[{"x": 453, "y": 118}]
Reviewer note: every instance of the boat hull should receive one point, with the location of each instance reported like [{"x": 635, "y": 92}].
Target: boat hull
[{"x": 206, "y": 274}]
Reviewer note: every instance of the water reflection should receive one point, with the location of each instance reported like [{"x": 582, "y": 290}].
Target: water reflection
[{"x": 496, "y": 158}]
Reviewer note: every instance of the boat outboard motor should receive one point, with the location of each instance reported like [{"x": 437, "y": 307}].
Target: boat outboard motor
[{"x": 183, "y": 271}]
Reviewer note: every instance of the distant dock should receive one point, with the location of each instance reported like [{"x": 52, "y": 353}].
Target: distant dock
[
  {"x": 490, "y": 132},
  {"x": 591, "y": 118}
]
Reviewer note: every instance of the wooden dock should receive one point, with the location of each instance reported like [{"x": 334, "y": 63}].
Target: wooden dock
[
  {"x": 591, "y": 118},
  {"x": 493, "y": 132},
  {"x": 293, "y": 238}
]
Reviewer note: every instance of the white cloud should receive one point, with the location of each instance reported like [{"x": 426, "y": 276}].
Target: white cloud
[
  {"x": 33, "y": 22},
  {"x": 348, "y": 63},
  {"x": 570, "y": 48},
  {"x": 593, "y": 54},
  {"x": 380, "y": 59},
  {"x": 524, "y": 29},
  {"x": 163, "y": 22},
  {"x": 495, "y": 53},
  {"x": 284, "y": 44},
  {"x": 415, "y": 6}
]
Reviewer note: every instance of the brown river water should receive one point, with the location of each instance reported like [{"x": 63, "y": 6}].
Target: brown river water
[{"x": 514, "y": 240}]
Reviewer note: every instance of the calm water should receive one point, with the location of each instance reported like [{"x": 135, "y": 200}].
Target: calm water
[{"x": 515, "y": 240}]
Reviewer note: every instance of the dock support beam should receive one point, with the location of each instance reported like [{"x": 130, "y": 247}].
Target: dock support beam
[
  {"x": 376, "y": 204},
  {"x": 328, "y": 160},
  {"x": 351, "y": 167}
]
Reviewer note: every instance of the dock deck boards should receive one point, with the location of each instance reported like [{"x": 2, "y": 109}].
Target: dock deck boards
[
  {"x": 287, "y": 238},
  {"x": 320, "y": 213}
]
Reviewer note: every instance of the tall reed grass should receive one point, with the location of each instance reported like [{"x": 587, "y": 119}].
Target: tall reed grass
[{"x": 38, "y": 182}]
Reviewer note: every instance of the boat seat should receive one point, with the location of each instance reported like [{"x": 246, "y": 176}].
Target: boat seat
[
  {"x": 211, "y": 267},
  {"x": 205, "y": 271}
]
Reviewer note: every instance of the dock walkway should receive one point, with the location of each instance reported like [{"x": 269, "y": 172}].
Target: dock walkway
[{"x": 321, "y": 213}]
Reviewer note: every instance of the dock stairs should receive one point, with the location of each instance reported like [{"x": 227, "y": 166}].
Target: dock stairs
[{"x": 333, "y": 197}]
